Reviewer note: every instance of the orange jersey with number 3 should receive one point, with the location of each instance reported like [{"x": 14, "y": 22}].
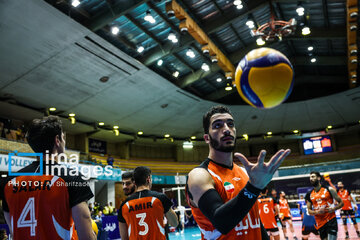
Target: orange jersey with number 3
[
  {"x": 143, "y": 213},
  {"x": 267, "y": 212}
]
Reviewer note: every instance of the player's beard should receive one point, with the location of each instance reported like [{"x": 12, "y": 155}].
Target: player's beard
[
  {"x": 315, "y": 183},
  {"x": 216, "y": 145}
]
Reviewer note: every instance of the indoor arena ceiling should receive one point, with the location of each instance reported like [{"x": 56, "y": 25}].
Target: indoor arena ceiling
[{"x": 54, "y": 54}]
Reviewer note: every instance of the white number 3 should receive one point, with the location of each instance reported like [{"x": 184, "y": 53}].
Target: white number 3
[
  {"x": 29, "y": 209},
  {"x": 142, "y": 217}
]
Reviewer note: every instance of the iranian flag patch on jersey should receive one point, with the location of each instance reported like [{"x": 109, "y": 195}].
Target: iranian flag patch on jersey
[{"x": 229, "y": 187}]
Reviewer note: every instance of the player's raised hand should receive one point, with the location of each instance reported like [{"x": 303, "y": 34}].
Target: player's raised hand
[{"x": 261, "y": 173}]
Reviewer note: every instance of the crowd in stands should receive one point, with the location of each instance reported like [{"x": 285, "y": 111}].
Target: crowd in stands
[{"x": 12, "y": 130}]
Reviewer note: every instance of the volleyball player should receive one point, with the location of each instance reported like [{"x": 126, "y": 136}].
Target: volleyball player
[
  {"x": 320, "y": 203},
  {"x": 268, "y": 210},
  {"x": 347, "y": 210},
  {"x": 47, "y": 206},
  {"x": 128, "y": 183},
  {"x": 285, "y": 215},
  {"x": 141, "y": 215},
  {"x": 222, "y": 196}
]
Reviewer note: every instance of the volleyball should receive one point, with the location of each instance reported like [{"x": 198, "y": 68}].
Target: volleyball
[{"x": 264, "y": 78}]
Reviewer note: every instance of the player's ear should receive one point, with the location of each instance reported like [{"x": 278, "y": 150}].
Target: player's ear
[{"x": 207, "y": 138}]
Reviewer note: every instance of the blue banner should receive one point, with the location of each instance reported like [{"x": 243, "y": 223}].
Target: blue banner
[{"x": 110, "y": 224}]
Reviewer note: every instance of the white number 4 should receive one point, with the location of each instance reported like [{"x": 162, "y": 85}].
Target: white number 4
[
  {"x": 142, "y": 217},
  {"x": 29, "y": 209}
]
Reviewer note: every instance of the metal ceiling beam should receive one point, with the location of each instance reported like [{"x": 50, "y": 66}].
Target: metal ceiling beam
[
  {"x": 214, "y": 26},
  {"x": 303, "y": 79},
  {"x": 119, "y": 10}
]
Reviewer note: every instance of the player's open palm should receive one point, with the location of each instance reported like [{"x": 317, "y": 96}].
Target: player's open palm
[{"x": 261, "y": 173}]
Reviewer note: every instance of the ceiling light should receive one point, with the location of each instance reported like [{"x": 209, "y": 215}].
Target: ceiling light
[
  {"x": 245, "y": 136},
  {"x": 140, "y": 49},
  {"x": 214, "y": 59},
  {"x": 260, "y": 41},
  {"x": 219, "y": 79},
  {"x": 52, "y": 109},
  {"x": 269, "y": 133},
  {"x": 75, "y": 3},
  {"x": 193, "y": 137},
  {"x": 149, "y": 18},
  {"x": 176, "y": 74},
  {"x": 115, "y": 30},
  {"x": 353, "y": 28},
  {"x": 72, "y": 120},
  {"x": 313, "y": 60},
  {"x": 71, "y": 114},
  {"x": 190, "y": 53},
  {"x": 329, "y": 127},
  {"x": 296, "y": 131},
  {"x": 250, "y": 23},
  {"x": 101, "y": 123},
  {"x": 205, "y": 67},
  {"x": 188, "y": 145},
  {"x": 171, "y": 36},
  {"x": 175, "y": 40},
  {"x": 160, "y": 62},
  {"x": 228, "y": 87},
  {"x": 240, "y": 6},
  {"x": 300, "y": 10},
  {"x": 305, "y": 31},
  {"x": 353, "y": 81},
  {"x": 140, "y": 133},
  {"x": 167, "y": 135},
  {"x": 104, "y": 79},
  {"x": 310, "y": 48},
  {"x": 237, "y": 2},
  {"x": 116, "y": 127},
  {"x": 3, "y": 175},
  {"x": 116, "y": 131}
]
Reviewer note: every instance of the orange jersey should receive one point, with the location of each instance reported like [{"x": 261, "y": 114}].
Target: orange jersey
[
  {"x": 267, "y": 212},
  {"x": 143, "y": 212},
  {"x": 284, "y": 208},
  {"x": 40, "y": 206},
  {"x": 228, "y": 183},
  {"x": 320, "y": 200},
  {"x": 345, "y": 196}
]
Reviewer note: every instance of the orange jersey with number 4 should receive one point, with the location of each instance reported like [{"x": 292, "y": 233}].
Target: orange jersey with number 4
[{"x": 267, "y": 212}]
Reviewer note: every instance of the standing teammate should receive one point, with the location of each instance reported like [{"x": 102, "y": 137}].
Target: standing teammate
[
  {"x": 347, "y": 209},
  {"x": 267, "y": 210},
  {"x": 285, "y": 215},
  {"x": 222, "y": 196},
  {"x": 141, "y": 216},
  {"x": 47, "y": 206},
  {"x": 320, "y": 202},
  {"x": 128, "y": 183}
]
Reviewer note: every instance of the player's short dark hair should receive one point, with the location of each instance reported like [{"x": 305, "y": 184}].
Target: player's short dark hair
[
  {"x": 316, "y": 173},
  {"x": 42, "y": 132},
  {"x": 212, "y": 111},
  {"x": 141, "y": 174},
  {"x": 129, "y": 174}
]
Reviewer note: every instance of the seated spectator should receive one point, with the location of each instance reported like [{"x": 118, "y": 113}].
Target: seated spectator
[{"x": 110, "y": 160}]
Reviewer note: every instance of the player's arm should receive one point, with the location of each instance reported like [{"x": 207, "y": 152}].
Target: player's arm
[
  {"x": 310, "y": 209},
  {"x": 123, "y": 231},
  {"x": 8, "y": 221},
  {"x": 82, "y": 220},
  {"x": 339, "y": 201},
  {"x": 276, "y": 208},
  {"x": 172, "y": 218}
]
